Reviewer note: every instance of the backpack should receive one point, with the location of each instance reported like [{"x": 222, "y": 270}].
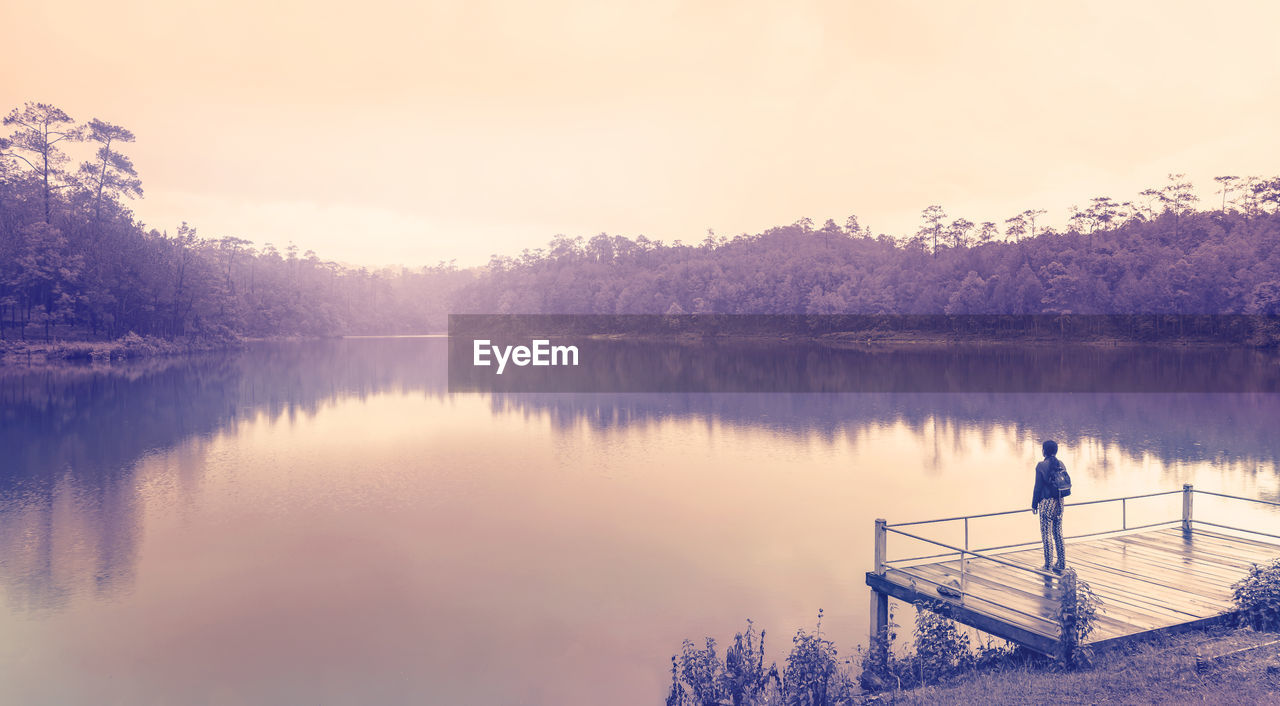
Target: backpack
[{"x": 1058, "y": 478}]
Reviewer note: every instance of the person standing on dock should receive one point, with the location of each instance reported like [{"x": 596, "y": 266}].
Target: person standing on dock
[{"x": 1046, "y": 499}]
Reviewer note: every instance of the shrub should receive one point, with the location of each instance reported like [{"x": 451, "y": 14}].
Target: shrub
[
  {"x": 941, "y": 650},
  {"x": 745, "y": 678},
  {"x": 881, "y": 668},
  {"x": 700, "y": 678},
  {"x": 1257, "y": 596},
  {"x": 1077, "y": 616},
  {"x": 702, "y": 672},
  {"x": 813, "y": 676},
  {"x": 994, "y": 652}
]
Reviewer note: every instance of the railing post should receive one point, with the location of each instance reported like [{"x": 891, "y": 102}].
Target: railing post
[
  {"x": 880, "y": 546},
  {"x": 1124, "y": 513},
  {"x": 1187, "y": 490},
  {"x": 880, "y": 601}
]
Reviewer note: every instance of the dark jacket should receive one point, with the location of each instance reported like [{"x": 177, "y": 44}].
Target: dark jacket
[{"x": 1044, "y": 484}]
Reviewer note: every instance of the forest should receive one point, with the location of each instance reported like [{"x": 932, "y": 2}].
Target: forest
[{"x": 75, "y": 262}]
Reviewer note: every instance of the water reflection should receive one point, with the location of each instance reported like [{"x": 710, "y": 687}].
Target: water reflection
[
  {"x": 73, "y": 436},
  {"x": 1192, "y": 427},
  {"x": 329, "y": 506}
]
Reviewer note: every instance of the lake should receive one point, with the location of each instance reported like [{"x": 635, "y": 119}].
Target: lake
[{"x": 325, "y": 523}]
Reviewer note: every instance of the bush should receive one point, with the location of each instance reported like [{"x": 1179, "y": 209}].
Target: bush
[
  {"x": 881, "y": 668},
  {"x": 941, "y": 650},
  {"x": 701, "y": 672},
  {"x": 745, "y": 677},
  {"x": 813, "y": 676},
  {"x": 700, "y": 678},
  {"x": 1257, "y": 596},
  {"x": 1077, "y": 616}
]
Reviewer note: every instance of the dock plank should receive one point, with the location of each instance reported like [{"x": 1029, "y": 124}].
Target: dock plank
[
  {"x": 1212, "y": 533},
  {"x": 1100, "y": 569},
  {"x": 1154, "y": 571},
  {"x": 1198, "y": 549},
  {"x": 1005, "y": 616},
  {"x": 1130, "y": 606}
]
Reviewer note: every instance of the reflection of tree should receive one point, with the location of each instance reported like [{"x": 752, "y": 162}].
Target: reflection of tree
[
  {"x": 71, "y": 438},
  {"x": 69, "y": 505},
  {"x": 1189, "y": 427},
  {"x": 735, "y": 365}
]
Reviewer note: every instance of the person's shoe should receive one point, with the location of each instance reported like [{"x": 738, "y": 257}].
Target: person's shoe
[
  {"x": 1059, "y": 568},
  {"x": 1047, "y": 568}
]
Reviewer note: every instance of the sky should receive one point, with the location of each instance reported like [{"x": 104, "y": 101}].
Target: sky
[{"x": 379, "y": 133}]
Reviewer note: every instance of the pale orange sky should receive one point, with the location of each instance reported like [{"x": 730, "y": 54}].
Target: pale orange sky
[{"x": 377, "y": 132}]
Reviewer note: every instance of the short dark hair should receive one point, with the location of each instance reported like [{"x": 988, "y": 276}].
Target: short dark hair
[{"x": 1049, "y": 447}]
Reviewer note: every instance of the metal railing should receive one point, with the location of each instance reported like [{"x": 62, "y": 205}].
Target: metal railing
[
  {"x": 1124, "y": 523},
  {"x": 965, "y": 553}
]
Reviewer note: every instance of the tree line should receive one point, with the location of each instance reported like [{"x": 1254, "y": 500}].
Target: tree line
[
  {"x": 74, "y": 261},
  {"x": 1156, "y": 254}
]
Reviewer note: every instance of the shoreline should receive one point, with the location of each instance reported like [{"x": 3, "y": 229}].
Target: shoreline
[
  {"x": 126, "y": 348},
  {"x": 131, "y": 347},
  {"x": 851, "y": 339}
]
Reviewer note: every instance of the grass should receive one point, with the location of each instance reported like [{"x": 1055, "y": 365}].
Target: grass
[{"x": 1160, "y": 670}]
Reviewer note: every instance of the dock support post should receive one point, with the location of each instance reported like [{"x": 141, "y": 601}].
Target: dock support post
[
  {"x": 881, "y": 536},
  {"x": 1186, "y": 508},
  {"x": 879, "y": 619},
  {"x": 880, "y": 601}
]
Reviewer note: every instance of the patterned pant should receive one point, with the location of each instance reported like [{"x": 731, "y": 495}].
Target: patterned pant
[{"x": 1050, "y": 510}]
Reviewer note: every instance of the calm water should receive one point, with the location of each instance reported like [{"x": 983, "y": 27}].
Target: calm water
[{"x": 324, "y": 523}]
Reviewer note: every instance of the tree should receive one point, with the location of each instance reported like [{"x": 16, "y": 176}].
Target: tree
[
  {"x": 1078, "y": 220},
  {"x": 1063, "y": 289},
  {"x": 933, "y": 217},
  {"x": 970, "y": 297},
  {"x": 1179, "y": 197},
  {"x": 1030, "y": 215},
  {"x": 111, "y": 172},
  {"x": 1224, "y": 187},
  {"x": 958, "y": 232},
  {"x": 1016, "y": 227},
  {"x": 1266, "y": 192},
  {"x": 820, "y": 302},
  {"x": 853, "y": 228},
  {"x": 1103, "y": 211},
  {"x": 1249, "y": 202},
  {"x": 45, "y": 275},
  {"x": 40, "y": 128},
  {"x": 1150, "y": 197}
]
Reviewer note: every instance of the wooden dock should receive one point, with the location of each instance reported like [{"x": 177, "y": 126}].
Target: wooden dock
[{"x": 1157, "y": 577}]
